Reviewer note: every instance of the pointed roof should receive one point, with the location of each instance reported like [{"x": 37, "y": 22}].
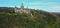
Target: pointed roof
[
  {"x": 15, "y": 6},
  {"x": 22, "y": 6}
]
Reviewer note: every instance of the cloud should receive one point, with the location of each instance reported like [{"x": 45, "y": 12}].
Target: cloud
[
  {"x": 47, "y": 6},
  {"x": 44, "y": 2},
  {"x": 55, "y": 7}
]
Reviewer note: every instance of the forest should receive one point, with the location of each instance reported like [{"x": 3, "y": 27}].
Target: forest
[{"x": 39, "y": 19}]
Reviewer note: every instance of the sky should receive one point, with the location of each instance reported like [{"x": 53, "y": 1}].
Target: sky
[{"x": 46, "y": 5}]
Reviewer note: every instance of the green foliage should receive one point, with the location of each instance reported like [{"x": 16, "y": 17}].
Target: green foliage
[{"x": 40, "y": 19}]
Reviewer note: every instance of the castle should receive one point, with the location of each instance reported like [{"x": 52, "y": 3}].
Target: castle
[{"x": 22, "y": 9}]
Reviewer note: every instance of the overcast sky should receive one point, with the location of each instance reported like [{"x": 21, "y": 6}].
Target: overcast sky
[{"x": 47, "y": 5}]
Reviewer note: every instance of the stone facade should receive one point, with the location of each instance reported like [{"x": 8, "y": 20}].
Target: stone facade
[{"x": 22, "y": 9}]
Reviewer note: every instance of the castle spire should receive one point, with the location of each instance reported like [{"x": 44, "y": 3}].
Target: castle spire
[
  {"x": 22, "y": 6},
  {"x": 15, "y": 6}
]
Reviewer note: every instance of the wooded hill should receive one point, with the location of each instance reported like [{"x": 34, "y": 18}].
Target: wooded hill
[{"x": 40, "y": 19}]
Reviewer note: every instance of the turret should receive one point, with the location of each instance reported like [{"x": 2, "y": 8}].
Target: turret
[
  {"x": 22, "y": 6},
  {"x": 15, "y": 9}
]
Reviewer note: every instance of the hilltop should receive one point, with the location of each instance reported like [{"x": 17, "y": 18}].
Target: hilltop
[{"x": 40, "y": 19}]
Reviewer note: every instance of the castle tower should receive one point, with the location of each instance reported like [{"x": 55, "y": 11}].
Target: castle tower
[
  {"x": 22, "y": 6},
  {"x": 15, "y": 9}
]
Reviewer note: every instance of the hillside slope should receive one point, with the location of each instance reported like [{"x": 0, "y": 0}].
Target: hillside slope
[{"x": 40, "y": 19}]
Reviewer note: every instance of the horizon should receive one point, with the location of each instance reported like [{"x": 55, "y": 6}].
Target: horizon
[{"x": 46, "y": 5}]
